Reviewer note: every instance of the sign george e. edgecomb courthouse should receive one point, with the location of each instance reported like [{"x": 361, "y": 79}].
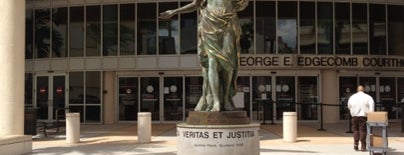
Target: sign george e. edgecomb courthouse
[{"x": 284, "y": 61}]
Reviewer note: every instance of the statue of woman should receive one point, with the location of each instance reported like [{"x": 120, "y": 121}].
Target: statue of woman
[{"x": 218, "y": 50}]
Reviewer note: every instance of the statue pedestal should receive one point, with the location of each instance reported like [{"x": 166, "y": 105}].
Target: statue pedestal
[{"x": 210, "y": 138}]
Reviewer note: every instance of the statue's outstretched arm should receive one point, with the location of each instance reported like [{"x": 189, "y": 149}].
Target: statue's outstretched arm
[{"x": 185, "y": 9}]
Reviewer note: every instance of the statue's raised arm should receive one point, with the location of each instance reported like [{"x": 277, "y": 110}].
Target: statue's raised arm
[{"x": 185, "y": 9}]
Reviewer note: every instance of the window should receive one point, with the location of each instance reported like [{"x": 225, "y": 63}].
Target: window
[
  {"x": 93, "y": 31},
  {"x": 247, "y": 28},
  {"x": 110, "y": 30},
  {"x": 265, "y": 27},
  {"x": 76, "y": 32},
  {"x": 287, "y": 27},
  {"x": 359, "y": 29},
  {"x": 325, "y": 35},
  {"x": 396, "y": 30},
  {"x": 377, "y": 29},
  {"x": 189, "y": 28},
  {"x": 342, "y": 28},
  {"x": 146, "y": 29},
  {"x": 42, "y": 33},
  {"x": 29, "y": 34},
  {"x": 59, "y": 32},
  {"x": 307, "y": 28},
  {"x": 127, "y": 29},
  {"x": 168, "y": 30},
  {"x": 76, "y": 88}
]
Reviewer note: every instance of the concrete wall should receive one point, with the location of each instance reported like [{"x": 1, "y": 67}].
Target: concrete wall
[
  {"x": 109, "y": 98},
  {"x": 329, "y": 90}
]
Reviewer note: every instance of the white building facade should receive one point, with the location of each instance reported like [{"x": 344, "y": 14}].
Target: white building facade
[{"x": 110, "y": 59}]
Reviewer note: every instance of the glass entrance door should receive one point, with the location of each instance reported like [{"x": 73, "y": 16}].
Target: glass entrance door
[
  {"x": 128, "y": 98},
  {"x": 50, "y": 95},
  {"x": 273, "y": 95},
  {"x": 173, "y": 95},
  {"x": 150, "y": 96},
  {"x": 285, "y": 95}
]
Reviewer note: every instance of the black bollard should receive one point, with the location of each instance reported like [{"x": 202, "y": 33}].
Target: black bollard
[
  {"x": 402, "y": 117},
  {"x": 350, "y": 124},
  {"x": 263, "y": 112},
  {"x": 321, "y": 118},
  {"x": 272, "y": 113}
]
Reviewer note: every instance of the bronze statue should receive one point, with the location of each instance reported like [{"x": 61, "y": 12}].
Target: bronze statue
[{"x": 218, "y": 50}]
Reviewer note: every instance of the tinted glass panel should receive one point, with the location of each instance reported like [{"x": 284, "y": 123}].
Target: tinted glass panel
[
  {"x": 93, "y": 87},
  {"x": 93, "y": 114},
  {"x": 59, "y": 32},
  {"x": 146, "y": 29},
  {"x": 287, "y": 27},
  {"x": 396, "y": 30},
  {"x": 42, "y": 33},
  {"x": 188, "y": 32},
  {"x": 93, "y": 31},
  {"x": 28, "y": 89},
  {"x": 377, "y": 29},
  {"x": 247, "y": 28},
  {"x": 193, "y": 91},
  {"x": 128, "y": 98},
  {"x": 127, "y": 29},
  {"x": 347, "y": 87},
  {"x": 325, "y": 35},
  {"x": 76, "y": 31},
  {"x": 262, "y": 106},
  {"x": 342, "y": 28},
  {"x": 150, "y": 95},
  {"x": 42, "y": 96},
  {"x": 242, "y": 96},
  {"x": 307, "y": 28},
  {"x": 285, "y": 95},
  {"x": 168, "y": 31},
  {"x": 359, "y": 29},
  {"x": 265, "y": 27},
  {"x": 308, "y": 98},
  {"x": 110, "y": 30},
  {"x": 29, "y": 34},
  {"x": 173, "y": 107},
  {"x": 76, "y": 88},
  {"x": 387, "y": 93}
]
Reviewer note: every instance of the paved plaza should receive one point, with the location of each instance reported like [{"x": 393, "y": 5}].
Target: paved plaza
[{"x": 121, "y": 139}]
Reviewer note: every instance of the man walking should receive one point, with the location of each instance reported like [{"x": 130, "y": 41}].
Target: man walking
[{"x": 359, "y": 104}]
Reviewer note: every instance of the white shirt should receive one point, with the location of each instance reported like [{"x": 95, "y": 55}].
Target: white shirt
[{"x": 360, "y": 104}]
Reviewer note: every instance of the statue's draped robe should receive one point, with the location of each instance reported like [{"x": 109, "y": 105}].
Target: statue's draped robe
[{"x": 213, "y": 25}]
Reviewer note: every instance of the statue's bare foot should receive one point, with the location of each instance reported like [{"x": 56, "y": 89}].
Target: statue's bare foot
[
  {"x": 201, "y": 106},
  {"x": 229, "y": 107},
  {"x": 216, "y": 107}
]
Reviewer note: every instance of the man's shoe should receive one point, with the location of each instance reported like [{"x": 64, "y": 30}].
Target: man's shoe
[
  {"x": 363, "y": 149},
  {"x": 356, "y": 148}
]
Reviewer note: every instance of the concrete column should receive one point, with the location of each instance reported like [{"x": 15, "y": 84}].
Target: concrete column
[
  {"x": 12, "y": 51},
  {"x": 72, "y": 127},
  {"x": 143, "y": 127},
  {"x": 329, "y": 90},
  {"x": 109, "y": 98},
  {"x": 289, "y": 126}
]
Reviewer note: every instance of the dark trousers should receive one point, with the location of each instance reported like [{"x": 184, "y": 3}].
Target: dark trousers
[{"x": 359, "y": 130}]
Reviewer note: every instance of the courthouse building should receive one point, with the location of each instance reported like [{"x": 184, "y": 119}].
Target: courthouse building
[{"x": 110, "y": 59}]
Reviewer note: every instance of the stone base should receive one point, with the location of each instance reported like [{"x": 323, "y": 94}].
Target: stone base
[
  {"x": 15, "y": 144},
  {"x": 217, "y": 118},
  {"x": 218, "y": 139}
]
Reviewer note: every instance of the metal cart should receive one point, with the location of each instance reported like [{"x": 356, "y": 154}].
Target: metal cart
[{"x": 381, "y": 147}]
